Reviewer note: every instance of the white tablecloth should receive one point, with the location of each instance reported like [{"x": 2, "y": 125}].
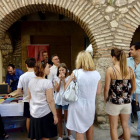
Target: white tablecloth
[{"x": 11, "y": 109}]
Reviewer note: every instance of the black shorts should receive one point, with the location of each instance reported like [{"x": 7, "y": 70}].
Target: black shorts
[{"x": 26, "y": 110}]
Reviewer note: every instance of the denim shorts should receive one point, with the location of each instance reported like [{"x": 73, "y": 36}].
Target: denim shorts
[{"x": 65, "y": 107}]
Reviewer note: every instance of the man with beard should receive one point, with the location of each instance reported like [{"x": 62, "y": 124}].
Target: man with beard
[{"x": 13, "y": 74}]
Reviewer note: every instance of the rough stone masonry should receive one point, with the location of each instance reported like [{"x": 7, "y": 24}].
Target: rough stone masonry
[{"x": 108, "y": 23}]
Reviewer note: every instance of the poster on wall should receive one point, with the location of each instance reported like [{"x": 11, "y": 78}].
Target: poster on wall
[{"x": 36, "y": 51}]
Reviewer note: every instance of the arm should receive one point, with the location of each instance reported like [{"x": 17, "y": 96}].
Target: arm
[
  {"x": 8, "y": 90},
  {"x": 19, "y": 87},
  {"x": 57, "y": 86},
  {"x": 8, "y": 81},
  {"x": 19, "y": 91},
  {"x": 29, "y": 95},
  {"x": 63, "y": 80},
  {"x": 133, "y": 82},
  {"x": 107, "y": 83},
  {"x": 50, "y": 100},
  {"x": 99, "y": 88},
  {"x": 64, "y": 83},
  {"x": 70, "y": 79}
]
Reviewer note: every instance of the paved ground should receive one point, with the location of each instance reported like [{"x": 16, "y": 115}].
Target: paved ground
[{"x": 98, "y": 134}]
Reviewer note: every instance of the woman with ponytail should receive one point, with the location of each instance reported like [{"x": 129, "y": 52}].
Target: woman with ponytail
[{"x": 120, "y": 84}]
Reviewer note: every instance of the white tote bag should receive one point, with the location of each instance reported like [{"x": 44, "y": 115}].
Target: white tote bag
[{"x": 71, "y": 93}]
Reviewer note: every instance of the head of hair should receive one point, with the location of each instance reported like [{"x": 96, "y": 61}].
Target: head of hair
[
  {"x": 30, "y": 62},
  {"x": 136, "y": 45},
  {"x": 53, "y": 56},
  {"x": 44, "y": 52},
  {"x": 121, "y": 57},
  {"x": 39, "y": 69},
  {"x": 63, "y": 65},
  {"x": 85, "y": 61},
  {"x": 11, "y": 65}
]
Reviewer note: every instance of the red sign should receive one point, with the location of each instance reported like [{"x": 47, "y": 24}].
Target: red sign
[{"x": 36, "y": 51}]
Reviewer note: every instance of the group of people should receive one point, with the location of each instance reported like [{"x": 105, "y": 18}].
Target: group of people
[{"x": 44, "y": 84}]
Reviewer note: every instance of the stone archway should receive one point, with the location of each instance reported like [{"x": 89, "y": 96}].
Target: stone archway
[
  {"x": 81, "y": 11},
  {"x": 99, "y": 20},
  {"x": 129, "y": 22}
]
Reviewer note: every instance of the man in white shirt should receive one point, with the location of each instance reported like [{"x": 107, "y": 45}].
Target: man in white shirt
[
  {"x": 23, "y": 84},
  {"x": 53, "y": 69}
]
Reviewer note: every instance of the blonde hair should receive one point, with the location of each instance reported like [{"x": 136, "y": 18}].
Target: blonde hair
[
  {"x": 121, "y": 57},
  {"x": 85, "y": 61}
]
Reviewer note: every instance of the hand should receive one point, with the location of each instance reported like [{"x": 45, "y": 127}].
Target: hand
[
  {"x": 55, "y": 119},
  {"x": 60, "y": 77},
  {"x": 63, "y": 76},
  {"x": 9, "y": 96}
]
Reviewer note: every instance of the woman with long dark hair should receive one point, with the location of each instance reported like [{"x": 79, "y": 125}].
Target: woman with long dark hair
[{"x": 120, "y": 84}]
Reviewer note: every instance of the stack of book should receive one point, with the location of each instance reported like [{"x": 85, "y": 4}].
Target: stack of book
[{"x": 11, "y": 98}]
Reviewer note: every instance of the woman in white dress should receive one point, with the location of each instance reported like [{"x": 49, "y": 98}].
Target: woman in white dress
[{"x": 81, "y": 113}]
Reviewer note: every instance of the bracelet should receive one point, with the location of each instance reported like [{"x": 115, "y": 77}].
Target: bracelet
[{"x": 55, "y": 115}]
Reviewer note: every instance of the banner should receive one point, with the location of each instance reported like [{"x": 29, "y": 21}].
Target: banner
[{"x": 36, "y": 51}]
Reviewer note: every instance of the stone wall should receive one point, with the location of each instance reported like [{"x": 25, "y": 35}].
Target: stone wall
[
  {"x": 11, "y": 49},
  {"x": 108, "y": 23}
]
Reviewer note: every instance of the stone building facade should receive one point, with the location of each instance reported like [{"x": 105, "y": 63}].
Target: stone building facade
[{"x": 108, "y": 23}]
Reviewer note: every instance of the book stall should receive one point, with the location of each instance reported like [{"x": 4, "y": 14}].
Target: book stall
[{"x": 11, "y": 110}]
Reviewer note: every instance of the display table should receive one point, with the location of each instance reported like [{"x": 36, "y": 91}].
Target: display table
[{"x": 14, "y": 109}]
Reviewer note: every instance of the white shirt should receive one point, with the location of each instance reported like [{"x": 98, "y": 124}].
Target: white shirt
[
  {"x": 23, "y": 83},
  {"x": 81, "y": 113},
  {"x": 38, "y": 102},
  {"x": 58, "y": 95},
  {"x": 53, "y": 72}
]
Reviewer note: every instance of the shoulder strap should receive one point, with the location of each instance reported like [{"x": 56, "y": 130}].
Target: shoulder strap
[
  {"x": 114, "y": 72},
  {"x": 118, "y": 72},
  {"x": 75, "y": 75}
]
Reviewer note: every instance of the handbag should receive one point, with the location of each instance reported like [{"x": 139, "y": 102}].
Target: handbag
[
  {"x": 71, "y": 93},
  {"x": 135, "y": 104}
]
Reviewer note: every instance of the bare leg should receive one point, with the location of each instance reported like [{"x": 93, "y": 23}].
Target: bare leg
[
  {"x": 113, "y": 120},
  {"x": 59, "y": 113},
  {"x": 27, "y": 124},
  {"x": 124, "y": 122},
  {"x": 66, "y": 115},
  {"x": 89, "y": 133},
  {"x": 79, "y": 136}
]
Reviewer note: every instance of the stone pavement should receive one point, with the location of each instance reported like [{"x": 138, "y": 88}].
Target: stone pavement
[{"x": 98, "y": 133}]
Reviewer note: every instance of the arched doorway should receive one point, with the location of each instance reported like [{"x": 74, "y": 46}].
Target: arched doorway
[{"x": 83, "y": 12}]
